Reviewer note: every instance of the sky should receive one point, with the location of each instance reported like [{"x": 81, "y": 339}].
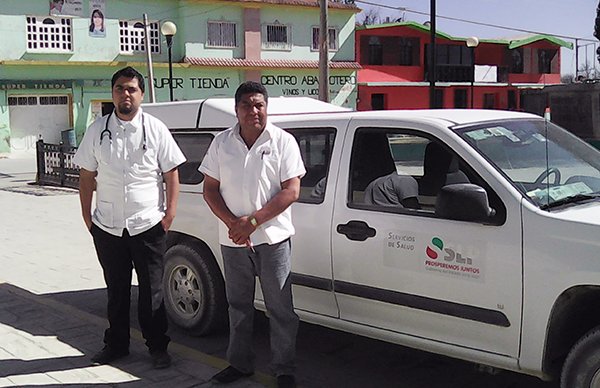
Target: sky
[{"x": 560, "y": 18}]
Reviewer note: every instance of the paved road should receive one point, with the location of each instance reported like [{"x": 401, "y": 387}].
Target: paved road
[{"x": 53, "y": 281}]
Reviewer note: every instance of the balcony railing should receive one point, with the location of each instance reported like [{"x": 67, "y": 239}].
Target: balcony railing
[{"x": 459, "y": 73}]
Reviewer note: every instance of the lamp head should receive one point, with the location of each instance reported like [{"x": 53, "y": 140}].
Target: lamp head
[
  {"x": 168, "y": 28},
  {"x": 472, "y": 41}
]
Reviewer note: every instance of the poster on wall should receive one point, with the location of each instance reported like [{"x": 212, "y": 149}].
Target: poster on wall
[
  {"x": 97, "y": 12},
  {"x": 66, "y": 8}
]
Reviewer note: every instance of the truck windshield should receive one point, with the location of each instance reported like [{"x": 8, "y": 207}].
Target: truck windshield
[{"x": 549, "y": 165}]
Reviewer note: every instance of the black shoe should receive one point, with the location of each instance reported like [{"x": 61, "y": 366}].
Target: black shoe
[
  {"x": 161, "y": 359},
  {"x": 229, "y": 375},
  {"x": 286, "y": 381},
  {"x": 107, "y": 355}
]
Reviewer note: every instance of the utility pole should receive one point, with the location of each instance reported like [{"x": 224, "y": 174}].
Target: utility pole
[
  {"x": 149, "y": 59},
  {"x": 432, "y": 57},
  {"x": 324, "y": 53}
]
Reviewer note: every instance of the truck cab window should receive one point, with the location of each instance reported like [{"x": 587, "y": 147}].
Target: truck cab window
[
  {"x": 399, "y": 171},
  {"x": 315, "y": 146},
  {"x": 194, "y": 147}
]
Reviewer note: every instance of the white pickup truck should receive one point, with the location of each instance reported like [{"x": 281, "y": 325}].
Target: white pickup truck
[{"x": 495, "y": 258}]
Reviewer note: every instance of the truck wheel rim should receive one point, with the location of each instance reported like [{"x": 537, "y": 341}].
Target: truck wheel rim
[{"x": 184, "y": 291}]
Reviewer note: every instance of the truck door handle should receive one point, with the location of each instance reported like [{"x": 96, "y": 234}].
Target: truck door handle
[{"x": 356, "y": 230}]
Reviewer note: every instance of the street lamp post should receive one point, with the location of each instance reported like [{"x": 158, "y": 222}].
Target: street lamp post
[
  {"x": 169, "y": 29},
  {"x": 472, "y": 42}
]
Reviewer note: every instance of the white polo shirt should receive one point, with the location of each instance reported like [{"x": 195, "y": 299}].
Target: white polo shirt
[
  {"x": 249, "y": 178},
  {"x": 130, "y": 193}
]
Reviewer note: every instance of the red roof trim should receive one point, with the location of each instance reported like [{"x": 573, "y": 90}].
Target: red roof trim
[{"x": 269, "y": 63}]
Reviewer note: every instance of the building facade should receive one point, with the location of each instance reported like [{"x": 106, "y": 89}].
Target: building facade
[
  {"x": 491, "y": 75},
  {"x": 57, "y": 56}
]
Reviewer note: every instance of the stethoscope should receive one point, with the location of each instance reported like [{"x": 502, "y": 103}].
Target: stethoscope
[{"x": 107, "y": 132}]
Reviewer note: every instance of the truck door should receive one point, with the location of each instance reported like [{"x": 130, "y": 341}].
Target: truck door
[
  {"x": 400, "y": 267},
  {"x": 312, "y": 214}
]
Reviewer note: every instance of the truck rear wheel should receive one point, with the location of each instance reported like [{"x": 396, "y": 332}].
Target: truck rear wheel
[
  {"x": 194, "y": 291},
  {"x": 582, "y": 366}
]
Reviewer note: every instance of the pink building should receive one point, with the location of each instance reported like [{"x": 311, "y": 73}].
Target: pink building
[{"x": 492, "y": 75}]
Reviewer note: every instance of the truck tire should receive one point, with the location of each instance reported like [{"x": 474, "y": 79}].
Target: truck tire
[
  {"x": 194, "y": 291},
  {"x": 582, "y": 366}
]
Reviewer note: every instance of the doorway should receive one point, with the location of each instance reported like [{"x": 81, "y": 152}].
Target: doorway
[{"x": 38, "y": 116}]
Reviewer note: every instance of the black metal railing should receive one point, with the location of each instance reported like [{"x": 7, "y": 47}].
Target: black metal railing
[{"x": 55, "y": 165}]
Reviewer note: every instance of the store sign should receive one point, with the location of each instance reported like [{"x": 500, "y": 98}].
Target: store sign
[
  {"x": 193, "y": 83},
  {"x": 35, "y": 85},
  {"x": 342, "y": 87}
]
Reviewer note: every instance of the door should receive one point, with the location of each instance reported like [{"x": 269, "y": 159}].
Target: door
[
  {"x": 35, "y": 116},
  {"x": 400, "y": 267},
  {"x": 312, "y": 214}
]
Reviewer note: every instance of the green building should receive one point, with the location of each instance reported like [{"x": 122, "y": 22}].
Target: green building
[{"x": 56, "y": 60}]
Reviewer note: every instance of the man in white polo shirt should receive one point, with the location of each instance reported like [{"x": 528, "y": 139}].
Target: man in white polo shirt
[
  {"x": 253, "y": 173},
  {"x": 124, "y": 157}
]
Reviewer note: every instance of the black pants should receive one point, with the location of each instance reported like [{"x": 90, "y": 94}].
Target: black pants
[{"x": 118, "y": 256}]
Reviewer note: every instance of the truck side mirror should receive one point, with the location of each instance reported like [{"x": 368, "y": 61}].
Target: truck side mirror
[{"x": 464, "y": 202}]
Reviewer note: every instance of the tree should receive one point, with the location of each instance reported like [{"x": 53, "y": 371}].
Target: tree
[
  {"x": 587, "y": 70},
  {"x": 370, "y": 18},
  {"x": 597, "y": 29},
  {"x": 597, "y": 24}
]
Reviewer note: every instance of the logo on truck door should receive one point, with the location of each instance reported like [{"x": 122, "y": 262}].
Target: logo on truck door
[
  {"x": 444, "y": 256},
  {"x": 454, "y": 260}
]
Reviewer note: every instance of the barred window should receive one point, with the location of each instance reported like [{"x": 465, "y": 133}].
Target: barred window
[
  {"x": 131, "y": 37},
  {"x": 276, "y": 37},
  {"x": 49, "y": 34},
  {"x": 54, "y": 100},
  {"x": 222, "y": 34},
  {"x": 333, "y": 39},
  {"x": 33, "y": 100}
]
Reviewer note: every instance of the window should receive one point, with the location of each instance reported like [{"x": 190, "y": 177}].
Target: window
[
  {"x": 447, "y": 54},
  {"x": 545, "y": 58},
  {"x": 460, "y": 98},
  {"x": 333, "y": 39},
  {"x": 407, "y": 47},
  {"x": 276, "y": 37},
  {"x": 489, "y": 101},
  {"x": 222, "y": 34},
  {"x": 54, "y": 100},
  {"x": 34, "y": 100},
  {"x": 315, "y": 146},
  {"x": 516, "y": 61},
  {"x": 131, "y": 37},
  {"x": 400, "y": 171},
  {"x": 512, "y": 100},
  {"x": 49, "y": 34},
  {"x": 378, "y": 101},
  {"x": 194, "y": 147},
  {"x": 375, "y": 51}
]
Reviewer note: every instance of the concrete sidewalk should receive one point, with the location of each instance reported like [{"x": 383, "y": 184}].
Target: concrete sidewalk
[{"x": 45, "y": 249}]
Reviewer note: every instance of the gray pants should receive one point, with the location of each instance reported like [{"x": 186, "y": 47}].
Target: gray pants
[{"x": 271, "y": 263}]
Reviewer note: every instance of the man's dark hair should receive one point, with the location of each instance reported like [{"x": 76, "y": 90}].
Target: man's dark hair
[
  {"x": 250, "y": 87},
  {"x": 129, "y": 72}
]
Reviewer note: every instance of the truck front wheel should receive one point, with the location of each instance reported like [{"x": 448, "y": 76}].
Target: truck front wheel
[
  {"x": 194, "y": 291},
  {"x": 582, "y": 366}
]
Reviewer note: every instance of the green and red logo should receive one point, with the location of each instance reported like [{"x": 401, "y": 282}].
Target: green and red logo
[{"x": 434, "y": 253}]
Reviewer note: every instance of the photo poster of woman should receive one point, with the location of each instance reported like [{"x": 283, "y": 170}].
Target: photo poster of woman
[
  {"x": 66, "y": 7},
  {"x": 97, "y": 16}
]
